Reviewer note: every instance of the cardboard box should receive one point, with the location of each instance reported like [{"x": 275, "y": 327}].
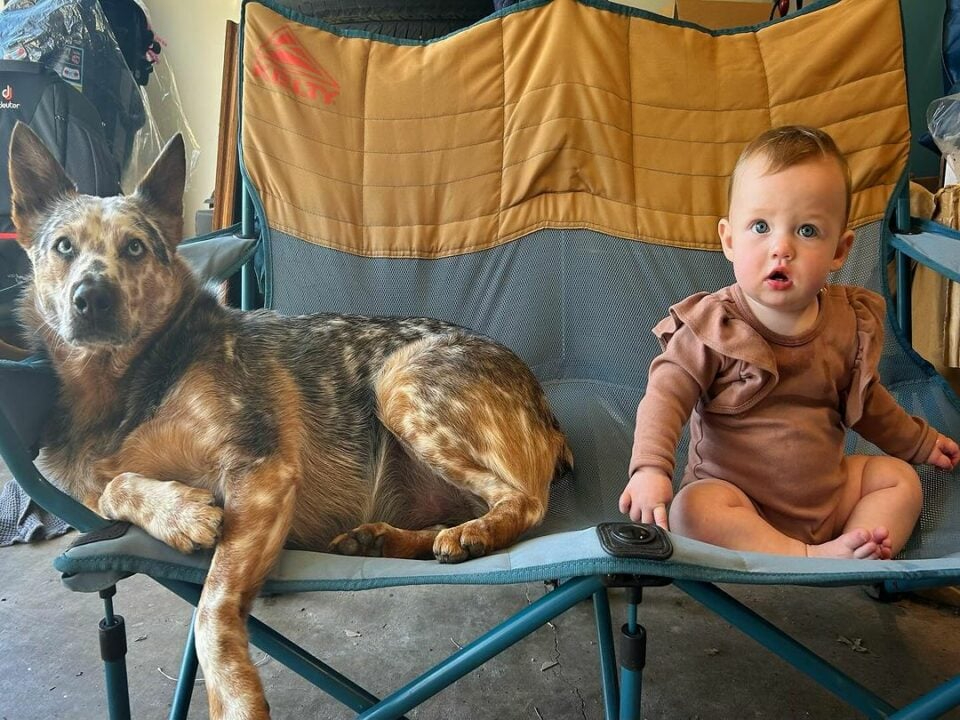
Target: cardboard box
[{"x": 718, "y": 14}]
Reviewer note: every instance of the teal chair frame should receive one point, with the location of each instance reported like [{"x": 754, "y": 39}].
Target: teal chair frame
[{"x": 102, "y": 558}]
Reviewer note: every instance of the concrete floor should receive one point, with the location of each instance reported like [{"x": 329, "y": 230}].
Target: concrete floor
[{"x": 698, "y": 666}]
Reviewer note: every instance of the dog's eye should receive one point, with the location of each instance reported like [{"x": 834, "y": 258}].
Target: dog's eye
[
  {"x": 135, "y": 248},
  {"x": 63, "y": 246}
]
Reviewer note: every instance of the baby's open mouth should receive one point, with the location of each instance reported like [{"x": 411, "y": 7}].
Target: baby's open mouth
[{"x": 779, "y": 280}]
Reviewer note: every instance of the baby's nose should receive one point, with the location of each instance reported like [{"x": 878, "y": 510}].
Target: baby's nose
[{"x": 781, "y": 247}]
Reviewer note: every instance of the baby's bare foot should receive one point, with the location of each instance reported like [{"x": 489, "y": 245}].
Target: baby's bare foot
[
  {"x": 881, "y": 536},
  {"x": 857, "y": 544}
]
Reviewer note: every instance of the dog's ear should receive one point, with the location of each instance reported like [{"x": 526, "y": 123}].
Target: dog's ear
[
  {"x": 161, "y": 189},
  {"x": 36, "y": 181}
]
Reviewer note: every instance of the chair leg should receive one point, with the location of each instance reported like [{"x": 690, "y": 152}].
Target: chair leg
[
  {"x": 113, "y": 651},
  {"x": 633, "y": 658},
  {"x": 904, "y": 318},
  {"x": 489, "y": 645},
  {"x": 934, "y": 704},
  {"x": 291, "y": 655},
  {"x": 188, "y": 676},
  {"x": 788, "y": 649},
  {"x": 608, "y": 657}
]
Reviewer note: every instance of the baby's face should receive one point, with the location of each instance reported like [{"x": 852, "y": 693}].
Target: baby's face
[{"x": 784, "y": 234}]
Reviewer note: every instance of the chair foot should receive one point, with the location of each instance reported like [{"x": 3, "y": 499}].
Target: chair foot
[
  {"x": 633, "y": 658},
  {"x": 113, "y": 652}
]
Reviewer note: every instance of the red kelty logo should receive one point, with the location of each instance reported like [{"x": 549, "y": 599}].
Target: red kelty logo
[{"x": 283, "y": 60}]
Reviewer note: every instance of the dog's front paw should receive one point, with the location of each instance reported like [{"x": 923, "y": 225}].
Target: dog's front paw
[
  {"x": 195, "y": 523},
  {"x": 185, "y": 518},
  {"x": 456, "y": 544},
  {"x": 366, "y": 540}
]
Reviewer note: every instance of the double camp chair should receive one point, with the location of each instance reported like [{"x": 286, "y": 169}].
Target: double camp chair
[{"x": 552, "y": 177}]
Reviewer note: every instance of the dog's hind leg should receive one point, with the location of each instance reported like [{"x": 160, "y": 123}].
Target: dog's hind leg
[
  {"x": 405, "y": 493},
  {"x": 380, "y": 539},
  {"x": 183, "y": 517},
  {"x": 473, "y": 412},
  {"x": 511, "y": 513},
  {"x": 258, "y": 512}
]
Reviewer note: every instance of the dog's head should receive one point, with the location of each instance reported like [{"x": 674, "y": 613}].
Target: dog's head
[{"x": 105, "y": 270}]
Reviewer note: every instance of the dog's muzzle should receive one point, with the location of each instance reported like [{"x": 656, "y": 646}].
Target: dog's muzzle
[{"x": 94, "y": 310}]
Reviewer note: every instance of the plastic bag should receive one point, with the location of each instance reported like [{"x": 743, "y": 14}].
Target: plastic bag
[
  {"x": 74, "y": 39},
  {"x": 943, "y": 121}
]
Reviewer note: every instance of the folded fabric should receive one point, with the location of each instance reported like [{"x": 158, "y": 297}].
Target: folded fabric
[{"x": 22, "y": 520}]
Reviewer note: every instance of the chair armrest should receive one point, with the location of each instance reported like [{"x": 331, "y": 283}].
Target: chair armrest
[
  {"x": 218, "y": 255},
  {"x": 28, "y": 393},
  {"x": 934, "y": 245}
]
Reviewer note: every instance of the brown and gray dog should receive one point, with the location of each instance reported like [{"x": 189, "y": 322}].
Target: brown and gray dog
[{"x": 250, "y": 431}]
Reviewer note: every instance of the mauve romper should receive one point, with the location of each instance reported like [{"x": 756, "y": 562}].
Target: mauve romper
[{"x": 769, "y": 412}]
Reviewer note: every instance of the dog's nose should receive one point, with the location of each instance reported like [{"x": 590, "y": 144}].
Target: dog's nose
[{"x": 92, "y": 299}]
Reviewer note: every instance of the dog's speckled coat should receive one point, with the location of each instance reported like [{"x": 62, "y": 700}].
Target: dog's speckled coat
[{"x": 251, "y": 431}]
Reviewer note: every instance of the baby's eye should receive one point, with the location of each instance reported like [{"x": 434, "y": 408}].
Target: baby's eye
[
  {"x": 760, "y": 227},
  {"x": 63, "y": 246},
  {"x": 808, "y": 231}
]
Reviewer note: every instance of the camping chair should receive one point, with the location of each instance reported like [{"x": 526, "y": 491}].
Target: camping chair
[{"x": 552, "y": 177}]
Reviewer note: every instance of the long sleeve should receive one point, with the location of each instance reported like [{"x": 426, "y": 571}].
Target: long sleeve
[
  {"x": 870, "y": 408},
  {"x": 892, "y": 429},
  {"x": 677, "y": 379}
]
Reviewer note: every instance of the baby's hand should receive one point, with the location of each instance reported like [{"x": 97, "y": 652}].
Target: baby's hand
[
  {"x": 945, "y": 453},
  {"x": 646, "y": 497}
]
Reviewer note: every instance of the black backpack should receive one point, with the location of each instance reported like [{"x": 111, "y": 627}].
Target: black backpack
[
  {"x": 98, "y": 47},
  {"x": 71, "y": 128}
]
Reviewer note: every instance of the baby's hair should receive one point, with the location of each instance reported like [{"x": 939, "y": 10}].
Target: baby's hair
[{"x": 789, "y": 145}]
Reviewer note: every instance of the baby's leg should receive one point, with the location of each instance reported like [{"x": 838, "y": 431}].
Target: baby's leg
[
  {"x": 886, "y": 500},
  {"x": 720, "y": 513}
]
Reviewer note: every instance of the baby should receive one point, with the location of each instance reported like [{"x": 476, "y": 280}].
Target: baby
[{"x": 771, "y": 371}]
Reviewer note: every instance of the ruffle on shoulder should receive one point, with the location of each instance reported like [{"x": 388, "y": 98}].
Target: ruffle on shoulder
[
  {"x": 869, "y": 310},
  {"x": 749, "y": 369}
]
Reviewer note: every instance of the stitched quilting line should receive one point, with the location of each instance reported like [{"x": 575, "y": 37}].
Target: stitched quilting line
[
  {"x": 343, "y": 221},
  {"x": 525, "y": 200},
  {"x": 850, "y": 152},
  {"x": 515, "y": 236},
  {"x": 364, "y": 232},
  {"x": 766, "y": 79},
  {"x": 503, "y": 124},
  {"x": 352, "y": 183},
  {"x": 469, "y": 146},
  {"x": 342, "y": 148},
  {"x": 592, "y": 152},
  {"x": 859, "y": 114},
  {"x": 529, "y": 93},
  {"x": 558, "y": 222}
]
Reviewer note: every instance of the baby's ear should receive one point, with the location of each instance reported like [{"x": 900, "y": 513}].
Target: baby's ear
[
  {"x": 843, "y": 249},
  {"x": 726, "y": 237}
]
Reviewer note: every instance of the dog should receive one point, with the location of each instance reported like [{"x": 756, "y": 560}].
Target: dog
[{"x": 250, "y": 431}]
